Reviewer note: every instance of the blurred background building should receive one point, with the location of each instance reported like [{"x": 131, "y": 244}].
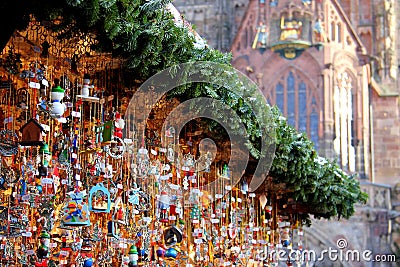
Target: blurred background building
[{"x": 332, "y": 68}]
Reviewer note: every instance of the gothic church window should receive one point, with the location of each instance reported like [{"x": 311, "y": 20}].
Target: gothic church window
[
  {"x": 298, "y": 102},
  {"x": 343, "y": 113}
]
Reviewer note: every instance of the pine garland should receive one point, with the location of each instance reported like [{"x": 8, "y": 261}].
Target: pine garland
[{"x": 144, "y": 35}]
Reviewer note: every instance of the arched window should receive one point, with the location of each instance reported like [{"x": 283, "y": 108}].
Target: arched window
[
  {"x": 302, "y": 111},
  {"x": 298, "y": 102},
  {"x": 280, "y": 97},
  {"x": 291, "y": 96},
  {"x": 344, "y": 132},
  {"x": 332, "y": 31},
  {"x": 339, "y": 32}
]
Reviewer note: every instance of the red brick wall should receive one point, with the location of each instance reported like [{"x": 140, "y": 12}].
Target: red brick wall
[{"x": 386, "y": 138}]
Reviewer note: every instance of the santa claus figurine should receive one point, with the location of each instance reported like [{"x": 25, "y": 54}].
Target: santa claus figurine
[
  {"x": 119, "y": 125},
  {"x": 86, "y": 252},
  {"x": 163, "y": 205},
  {"x": 125, "y": 261}
]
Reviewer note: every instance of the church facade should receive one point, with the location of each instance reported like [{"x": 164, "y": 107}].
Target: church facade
[{"x": 331, "y": 67}]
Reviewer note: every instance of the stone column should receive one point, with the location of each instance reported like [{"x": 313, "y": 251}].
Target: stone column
[{"x": 328, "y": 122}]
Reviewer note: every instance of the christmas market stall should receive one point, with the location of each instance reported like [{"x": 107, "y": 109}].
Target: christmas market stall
[{"x": 87, "y": 180}]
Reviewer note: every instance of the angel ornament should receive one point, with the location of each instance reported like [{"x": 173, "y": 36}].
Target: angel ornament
[
  {"x": 154, "y": 168},
  {"x": 188, "y": 161},
  {"x": 203, "y": 163},
  {"x": 143, "y": 162},
  {"x": 170, "y": 154},
  {"x": 185, "y": 183}
]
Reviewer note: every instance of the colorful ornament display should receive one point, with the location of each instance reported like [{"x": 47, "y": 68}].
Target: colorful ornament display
[{"x": 86, "y": 188}]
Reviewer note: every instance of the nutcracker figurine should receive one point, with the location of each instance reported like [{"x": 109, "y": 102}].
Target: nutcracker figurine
[
  {"x": 163, "y": 205},
  {"x": 43, "y": 250}
]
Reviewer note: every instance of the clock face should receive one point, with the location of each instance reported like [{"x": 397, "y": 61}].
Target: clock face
[{"x": 8, "y": 143}]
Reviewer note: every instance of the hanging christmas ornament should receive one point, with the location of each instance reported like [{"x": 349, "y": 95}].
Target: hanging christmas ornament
[
  {"x": 263, "y": 201},
  {"x": 225, "y": 171},
  {"x": 112, "y": 229},
  {"x": 44, "y": 150},
  {"x": 116, "y": 148},
  {"x": 119, "y": 125},
  {"x": 108, "y": 130},
  {"x": 86, "y": 85},
  {"x": 32, "y": 133},
  {"x": 188, "y": 165},
  {"x": 163, "y": 205},
  {"x": 133, "y": 196},
  {"x": 244, "y": 187},
  {"x": 143, "y": 162},
  {"x": 76, "y": 211},
  {"x": 57, "y": 108},
  {"x": 232, "y": 230},
  {"x": 171, "y": 153},
  {"x": 171, "y": 253},
  {"x": 8, "y": 143},
  {"x": 268, "y": 212},
  {"x": 285, "y": 237},
  {"x": 170, "y": 132},
  {"x": 133, "y": 256},
  {"x": 86, "y": 253},
  {"x": 195, "y": 212},
  {"x": 99, "y": 199},
  {"x": 125, "y": 261},
  {"x": 172, "y": 236},
  {"x": 43, "y": 250}
]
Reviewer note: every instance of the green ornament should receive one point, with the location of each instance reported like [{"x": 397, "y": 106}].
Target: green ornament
[
  {"x": 45, "y": 149},
  {"x": 44, "y": 234},
  {"x": 133, "y": 250},
  {"x": 57, "y": 89}
]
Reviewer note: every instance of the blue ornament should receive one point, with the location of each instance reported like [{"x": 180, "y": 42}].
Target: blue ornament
[
  {"x": 141, "y": 252},
  {"x": 88, "y": 262},
  {"x": 171, "y": 253},
  {"x": 285, "y": 243},
  {"x": 160, "y": 252}
]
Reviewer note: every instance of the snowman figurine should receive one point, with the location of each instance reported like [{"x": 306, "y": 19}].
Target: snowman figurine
[
  {"x": 86, "y": 87},
  {"x": 57, "y": 108},
  {"x": 133, "y": 256}
]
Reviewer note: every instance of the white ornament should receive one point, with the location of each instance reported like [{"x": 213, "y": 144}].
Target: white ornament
[{"x": 57, "y": 109}]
